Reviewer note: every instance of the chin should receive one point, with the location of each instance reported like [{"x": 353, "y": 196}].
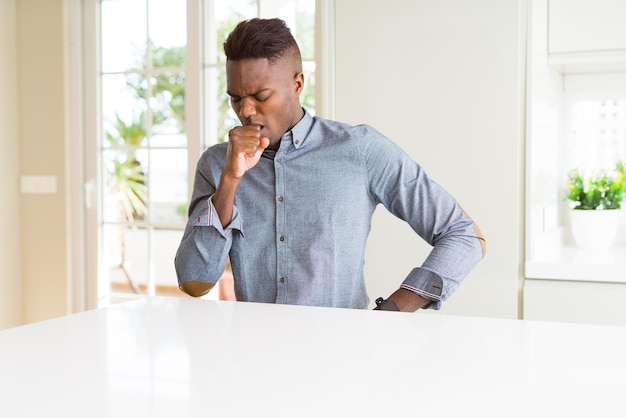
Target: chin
[{"x": 274, "y": 144}]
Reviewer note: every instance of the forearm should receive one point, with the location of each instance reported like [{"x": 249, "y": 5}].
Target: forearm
[
  {"x": 447, "y": 265},
  {"x": 224, "y": 199}
]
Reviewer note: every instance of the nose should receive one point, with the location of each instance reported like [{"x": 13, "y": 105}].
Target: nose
[{"x": 248, "y": 107}]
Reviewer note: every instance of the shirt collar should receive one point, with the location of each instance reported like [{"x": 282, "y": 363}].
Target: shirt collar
[
  {"x": 295, "y": 136},
  {"x": 301, "y": 130}
]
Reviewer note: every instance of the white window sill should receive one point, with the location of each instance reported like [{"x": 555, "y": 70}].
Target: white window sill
[{"x": 553, "y": 257}]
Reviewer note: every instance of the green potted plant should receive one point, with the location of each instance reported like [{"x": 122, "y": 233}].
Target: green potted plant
[{"x": 595, "y": 200}]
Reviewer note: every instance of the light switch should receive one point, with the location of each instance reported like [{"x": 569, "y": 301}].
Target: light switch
[{"x": 39, "y": 184}]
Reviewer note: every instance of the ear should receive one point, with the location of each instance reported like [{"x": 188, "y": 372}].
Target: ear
[{"x": 298, "y": 83}]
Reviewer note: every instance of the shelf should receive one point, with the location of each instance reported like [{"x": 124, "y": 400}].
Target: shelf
[
  {"x": 554, "y": 258},
  {"x": 588, "y": 62}
]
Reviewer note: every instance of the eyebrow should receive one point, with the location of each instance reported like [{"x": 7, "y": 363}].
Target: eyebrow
[{"x": 231, "y": 94}]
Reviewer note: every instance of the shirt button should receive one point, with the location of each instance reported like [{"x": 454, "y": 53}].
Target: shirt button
[
  {"x": 282, "y": 280},
  {"x": 279, "y": 160},
  {"x": 282, "y": 238},
  {"x": 297, "y": 141},
  {"x": 280, "y": 198}
]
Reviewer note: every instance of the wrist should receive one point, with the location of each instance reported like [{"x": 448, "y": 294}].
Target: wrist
[
  {"x": 229, "y": 178},
  {"x": 407, "y": 300},
  {"x": 386, "y": 305}
]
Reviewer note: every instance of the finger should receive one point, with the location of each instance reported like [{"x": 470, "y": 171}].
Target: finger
[
  {"x": 245, "y": 132},
  {"x": 256, "y": 147},
  {"x": 251, "y": 130}
]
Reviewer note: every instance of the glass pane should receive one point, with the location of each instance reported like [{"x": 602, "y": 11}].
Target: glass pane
[
  {"x": 598, "y": 129},
  {"x": 168, "y": 140},
  {"x": 125, "y": 255},
  {"x": 304, "y": 30},
  {"x": 168, "y": 102},
  {"x": 168, "y": 186},
  {"x": 119, "y": 47},
  {"x": 125, "y": 194},
  {"x": 307, "y": 97},
  {"x": 220, "y": 18},
  {"x": 123, "y": 112},
  {"x": 219, "y": 116},
  {"x": 168, "y": 23},
  {"x": 164, "y": 245}
]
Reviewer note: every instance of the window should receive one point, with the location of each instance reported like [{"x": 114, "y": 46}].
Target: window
[
  {"x": 577, "y": 119},
  {"x": 160, "y": 101},
  {"x": 595, "y": 120}
]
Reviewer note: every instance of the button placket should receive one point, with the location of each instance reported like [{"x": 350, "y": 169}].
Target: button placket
[{"x": 281, "y": 248}]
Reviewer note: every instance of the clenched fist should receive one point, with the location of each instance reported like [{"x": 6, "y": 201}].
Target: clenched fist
[{"x": 245, "y": 146}]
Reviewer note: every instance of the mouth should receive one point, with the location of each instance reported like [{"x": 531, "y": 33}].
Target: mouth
[{"x": 257, "y": 124}]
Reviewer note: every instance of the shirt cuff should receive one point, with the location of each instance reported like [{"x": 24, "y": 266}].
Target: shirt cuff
[
  {"x": 426, "y": 284},
  {"x": 213, "y": 219}
]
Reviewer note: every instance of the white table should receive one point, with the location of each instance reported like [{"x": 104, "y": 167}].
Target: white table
[{"x": 182, "y": 357}]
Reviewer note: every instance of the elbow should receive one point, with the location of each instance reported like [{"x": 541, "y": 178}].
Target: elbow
[
  {"x": 483, "y": 245},
  {"x": 479, "y": 234},
  {"x": 481, "y": 239},
  {"x": 186, "y": 282},
  {"x": 195, "y": 288}
]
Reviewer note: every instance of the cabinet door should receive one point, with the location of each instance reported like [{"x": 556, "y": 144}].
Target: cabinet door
[
  {"x": 578, "y": 302},
  {"x": 587, "y": 25}
]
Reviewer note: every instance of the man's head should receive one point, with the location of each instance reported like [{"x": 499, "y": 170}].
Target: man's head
[
  {"x": 262, "y": 38},
  {"x": 264, "y": 76}
]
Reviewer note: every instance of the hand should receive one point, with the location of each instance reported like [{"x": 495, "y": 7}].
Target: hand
[
  {"x": 407, "y": 301},
  {"x": 245, "y": 146}
]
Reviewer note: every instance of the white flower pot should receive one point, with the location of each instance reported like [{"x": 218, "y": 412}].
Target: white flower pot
[{"x": 594, "y": 228}]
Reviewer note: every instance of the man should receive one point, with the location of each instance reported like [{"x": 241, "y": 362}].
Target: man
[{"x": 289, "y": 198}]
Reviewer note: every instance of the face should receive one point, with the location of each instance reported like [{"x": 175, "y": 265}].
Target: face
[{"x": 265, "y": 94}]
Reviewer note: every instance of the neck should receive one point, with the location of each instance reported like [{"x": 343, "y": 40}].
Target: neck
[{"x": 274, "y": 146}]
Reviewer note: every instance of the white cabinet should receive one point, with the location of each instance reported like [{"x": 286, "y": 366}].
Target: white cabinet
[
  {"x": 587, "y": 25},
  {"x": 572, "y": 301},
  {"x": 587, "y": 35}
]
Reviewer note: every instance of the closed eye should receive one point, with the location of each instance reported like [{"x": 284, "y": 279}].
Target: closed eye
[{"x": 259, "y": 97}]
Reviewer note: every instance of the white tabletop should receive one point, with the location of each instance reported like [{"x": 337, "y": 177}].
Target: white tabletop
[{"x": 182, "y": 357}]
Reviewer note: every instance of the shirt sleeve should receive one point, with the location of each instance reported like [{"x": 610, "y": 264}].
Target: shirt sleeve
[
  {"x": 405, "y": 189},
  {"x": 205, "y": 245}
]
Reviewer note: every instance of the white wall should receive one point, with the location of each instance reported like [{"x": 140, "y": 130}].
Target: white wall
[
  {"x": 444, "y": 80},
  {"x": 10, "y": 274}
]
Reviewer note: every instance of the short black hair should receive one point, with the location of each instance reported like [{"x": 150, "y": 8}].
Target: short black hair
[{"x": 260, "y": 38}]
